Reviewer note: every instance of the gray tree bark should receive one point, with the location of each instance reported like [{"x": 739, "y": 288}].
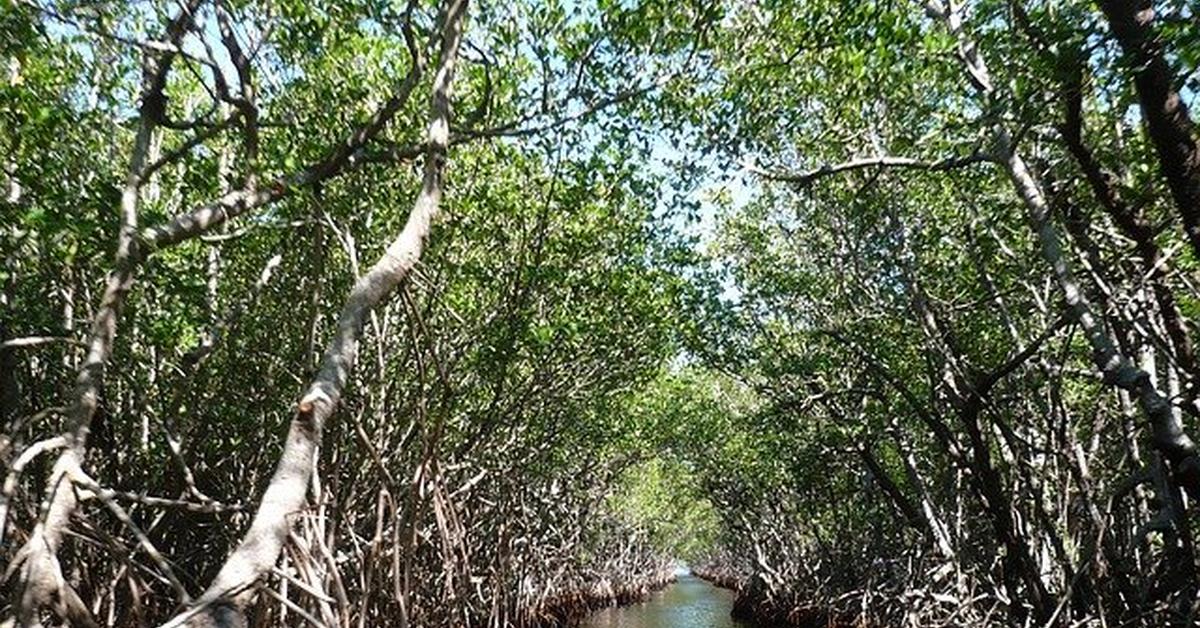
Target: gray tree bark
[
  {"x": 1168, "y": 434},
  {"x": 41, "y": 583},
  {"x": 224, "y": 602}
]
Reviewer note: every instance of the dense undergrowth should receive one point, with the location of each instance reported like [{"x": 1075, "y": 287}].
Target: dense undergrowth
[{"x": 484, "y": 314}]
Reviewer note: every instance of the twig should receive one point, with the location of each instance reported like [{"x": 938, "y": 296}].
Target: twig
[
  {"x": 106, "y": 496},
  {"x": 295, "y": 607}
]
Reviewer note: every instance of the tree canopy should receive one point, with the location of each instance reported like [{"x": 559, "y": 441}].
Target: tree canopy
[{"x": 369, "y": 312}]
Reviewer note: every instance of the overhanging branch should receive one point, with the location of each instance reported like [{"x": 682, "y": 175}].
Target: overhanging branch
[{"x": 806, "y": 178}]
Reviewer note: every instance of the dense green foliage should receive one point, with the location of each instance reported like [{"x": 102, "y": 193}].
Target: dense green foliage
[{"x": 877, "y": 311}]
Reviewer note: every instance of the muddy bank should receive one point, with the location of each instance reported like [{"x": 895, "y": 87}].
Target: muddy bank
[
  {"x": 755, "y": 602},
  {"x": 568, "y": 609}
]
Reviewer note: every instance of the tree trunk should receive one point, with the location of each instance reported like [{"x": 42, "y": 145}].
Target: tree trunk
[
  {"x": 1168, "y": 435},
  {"x": 224, "y": 602},
  {"x": 1133, "y": 225},
  {"x": 1166, "y": 116},
  {"x": 41, "y": 581}
]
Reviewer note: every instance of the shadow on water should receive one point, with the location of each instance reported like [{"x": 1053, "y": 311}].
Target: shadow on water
[{"x": 689, "y": 603}]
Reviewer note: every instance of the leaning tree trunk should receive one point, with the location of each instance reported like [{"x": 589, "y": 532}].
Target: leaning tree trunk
[
  {"x": 225, "y": 601},
  {"x": 1166, "y": 116},
  {"x": 1134, "y": 225},
  {"x": 41, "y": 582},
  {"x": 1167, "y": 430}
]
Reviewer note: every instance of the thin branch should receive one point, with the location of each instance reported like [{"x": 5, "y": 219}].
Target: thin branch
[
  {"x": 293, "y": 606},
  {"x": 200, "y": 137},
  {"x": 106, "y": 497},
  {"x": 33, "y": 341},
  {"x": 515, "y": 128},
  {"x": 986, "y": 382},
  {"x": 804, "y": 179},
  {"x": 209, "y": 506}
]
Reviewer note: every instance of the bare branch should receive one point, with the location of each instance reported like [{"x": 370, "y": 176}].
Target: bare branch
[
  {"x": 804, "y": 179},
  {"x": 33, "y": 341},
  {"x": 199, "y": 138},
  {"x": 106, "y": 497}
]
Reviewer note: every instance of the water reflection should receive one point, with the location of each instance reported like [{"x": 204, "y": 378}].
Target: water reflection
[{"x": 689, "y": 603}]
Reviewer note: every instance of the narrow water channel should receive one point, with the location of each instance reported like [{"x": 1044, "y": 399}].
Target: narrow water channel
[{"x": 689, "y": 603}]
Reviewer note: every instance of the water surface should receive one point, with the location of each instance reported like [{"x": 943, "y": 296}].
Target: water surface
[{"x": 689, "y": 603}]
